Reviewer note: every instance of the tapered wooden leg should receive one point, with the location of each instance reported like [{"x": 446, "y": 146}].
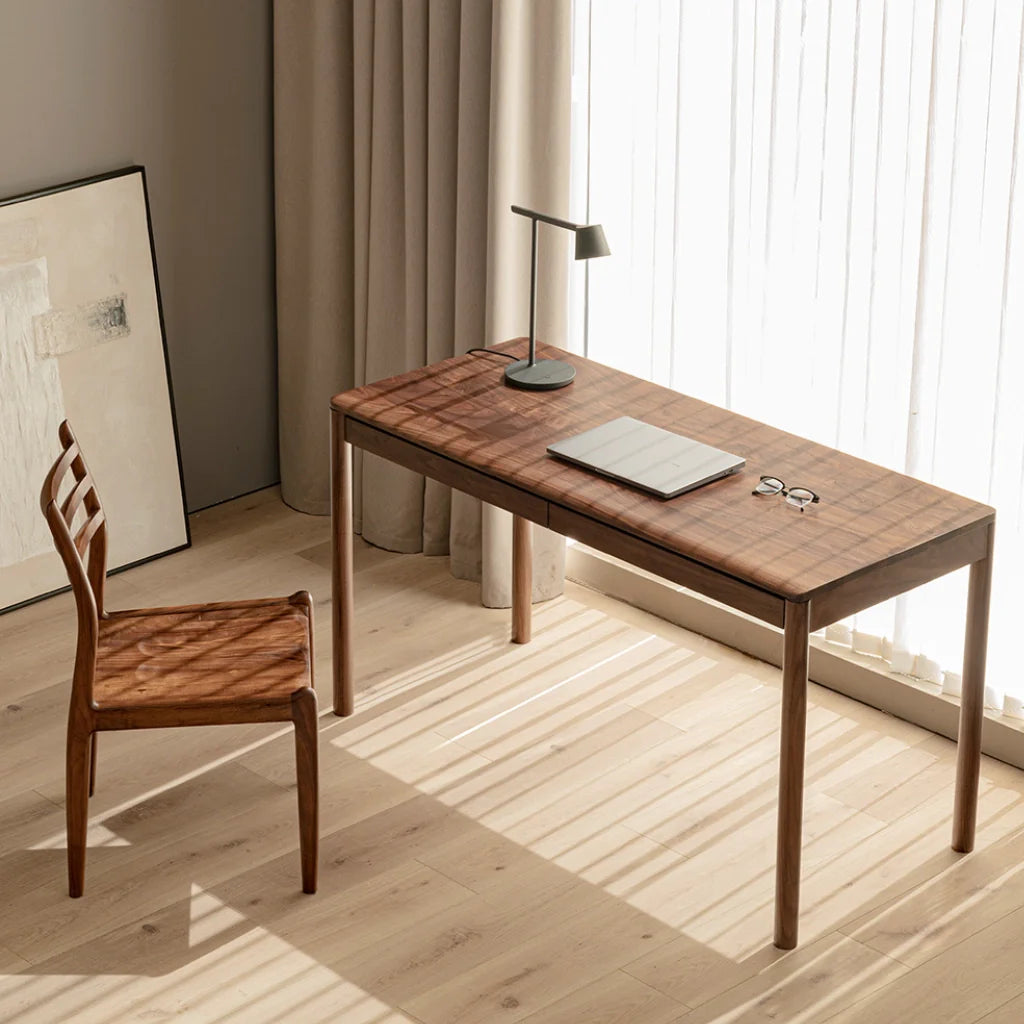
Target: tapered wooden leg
[
  {"x": 522, "y": 579},
  {"x": 791, "y": 774},
  {"x": 93, "y": 739},
  {"x": 972, "y": 703},
  {"x": 341, "y": 571},
  {"x": 308, "y": 785},
  {"x": 76, "y": 805}
]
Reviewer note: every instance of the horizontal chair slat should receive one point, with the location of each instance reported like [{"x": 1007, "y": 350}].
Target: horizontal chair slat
[
  {"x": 75, "y": 498},
  {"x": 85, "y": 535},
  {"x": 60, "y": 469}
]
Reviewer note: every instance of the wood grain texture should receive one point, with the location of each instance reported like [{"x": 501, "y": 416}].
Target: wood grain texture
[
  {"x": 76, "y": 804},
  {"x": 879, "y": 583},
  {"x": 868, "y": 516},
  {"x": 669, "y": 566},
  {"x": 342, "y": 669},
  {"x": 146, "y": 668},
  {"x": 972, "y": 700},
  {"x": 93, "y": 752},
  {"x": 480, "y": 484},
  {"x": 791, "y": 775},
  {"x": 522, "y": 579},
  {"x": 307, "y": 774},
  {"x": 217, "y": 655}
]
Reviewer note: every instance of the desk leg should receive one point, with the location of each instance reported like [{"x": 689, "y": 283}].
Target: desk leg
[
  {"x": 522, "y": 579},
  {"x": 791, "y": 774},
  {"x": 341, "y": 566},
  {"x": 972, "y": 703}
]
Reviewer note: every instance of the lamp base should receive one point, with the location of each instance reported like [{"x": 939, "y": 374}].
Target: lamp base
[{"x": 544, "y": 375}]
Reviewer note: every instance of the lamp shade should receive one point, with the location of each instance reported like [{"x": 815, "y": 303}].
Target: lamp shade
[{"x": 590, "y": 242}]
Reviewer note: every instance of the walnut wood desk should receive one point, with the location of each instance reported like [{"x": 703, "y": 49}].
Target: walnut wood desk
[{"x": 874, "y": 535}]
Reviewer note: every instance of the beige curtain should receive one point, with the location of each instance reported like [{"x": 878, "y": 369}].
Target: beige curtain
[{"x": 403, "y": 132}]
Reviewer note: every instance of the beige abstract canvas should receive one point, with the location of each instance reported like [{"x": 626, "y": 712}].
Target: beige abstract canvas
[{"x": 81, "y": 338}]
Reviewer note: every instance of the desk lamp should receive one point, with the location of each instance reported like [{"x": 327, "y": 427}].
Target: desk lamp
[{"x": 547, "y": 374}]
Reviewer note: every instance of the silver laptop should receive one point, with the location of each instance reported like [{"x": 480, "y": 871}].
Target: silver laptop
[{"x": 646, "y": 456}]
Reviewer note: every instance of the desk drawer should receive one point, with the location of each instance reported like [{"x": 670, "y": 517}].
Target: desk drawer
[{"x": 644, "y": 555}]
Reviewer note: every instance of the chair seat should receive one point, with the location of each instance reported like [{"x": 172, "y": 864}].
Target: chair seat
[{"x": 203, "y": 656}]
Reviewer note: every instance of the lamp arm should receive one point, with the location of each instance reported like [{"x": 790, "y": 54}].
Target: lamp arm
[{"x": 535, "y": 216}]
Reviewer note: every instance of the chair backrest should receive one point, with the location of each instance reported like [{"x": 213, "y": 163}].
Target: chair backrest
[{"x": 79, "y": 531}]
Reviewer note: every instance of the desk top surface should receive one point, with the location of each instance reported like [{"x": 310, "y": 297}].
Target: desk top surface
[{"x": 868, "y": 515}]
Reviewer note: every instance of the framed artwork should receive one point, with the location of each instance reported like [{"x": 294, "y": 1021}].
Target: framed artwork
[{"x": 82, "y": 339}]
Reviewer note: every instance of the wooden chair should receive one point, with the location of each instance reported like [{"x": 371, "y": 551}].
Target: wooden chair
[{"x": 203, "y": 664}]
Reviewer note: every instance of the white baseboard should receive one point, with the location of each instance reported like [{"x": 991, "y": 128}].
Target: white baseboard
[{"x": 862, "y": 678}]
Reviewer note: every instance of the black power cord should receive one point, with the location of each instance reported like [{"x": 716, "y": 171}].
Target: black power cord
[{"x": 493, "y": 352}]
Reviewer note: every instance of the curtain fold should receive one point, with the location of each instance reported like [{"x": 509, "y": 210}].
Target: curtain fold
[
  {"x": 403, "y": 133},
  {"x": 314, "y": 164}
]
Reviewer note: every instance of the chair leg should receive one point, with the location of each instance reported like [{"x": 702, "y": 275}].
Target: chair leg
[
  {"x": 304, "y": 715},
  {"x": 77, "y": 807},
  {"x": 93, "y": 740}
]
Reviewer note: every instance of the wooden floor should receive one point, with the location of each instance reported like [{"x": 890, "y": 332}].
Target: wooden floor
[{"x": 577, "y": 830}]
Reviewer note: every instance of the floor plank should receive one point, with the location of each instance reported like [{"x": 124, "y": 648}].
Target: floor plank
[
  {"x": 540, "y": 969},
  {"x": 804, "y": 986},
  {"x": 1011, "y": 1012},
  {"x": 959, "y": 986}
]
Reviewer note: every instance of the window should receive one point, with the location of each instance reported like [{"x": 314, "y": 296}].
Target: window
[{"x": 816, "y": 219}]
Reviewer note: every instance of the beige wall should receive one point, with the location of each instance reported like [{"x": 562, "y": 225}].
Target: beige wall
[{"x": 184, "y": 88}]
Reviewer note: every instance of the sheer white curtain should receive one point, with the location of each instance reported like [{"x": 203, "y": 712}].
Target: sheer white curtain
[{"x": 815, "y": 213}]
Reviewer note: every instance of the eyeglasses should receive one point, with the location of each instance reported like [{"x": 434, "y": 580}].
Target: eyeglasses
[{"x": 801, "y": 497}]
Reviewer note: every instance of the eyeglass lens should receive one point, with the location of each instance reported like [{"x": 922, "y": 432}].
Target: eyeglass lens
[
  {"x": 770, "y": 485},
  {"x": 800, "y": 497}
]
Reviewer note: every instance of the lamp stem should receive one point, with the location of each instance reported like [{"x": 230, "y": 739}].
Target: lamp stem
[{"x": 533, "y": 293}]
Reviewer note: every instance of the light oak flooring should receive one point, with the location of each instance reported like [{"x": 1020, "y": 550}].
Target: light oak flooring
[{"x": 577, "y": 830}]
